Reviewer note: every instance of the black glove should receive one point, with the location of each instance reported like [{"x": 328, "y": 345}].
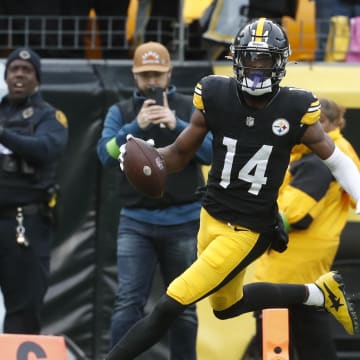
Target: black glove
[{"x": 280, "y": 237}]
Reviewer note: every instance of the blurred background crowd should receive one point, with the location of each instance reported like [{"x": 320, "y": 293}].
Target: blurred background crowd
[{"x": 192, "y": 30}]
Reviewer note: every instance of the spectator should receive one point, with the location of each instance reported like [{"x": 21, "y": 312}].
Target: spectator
[
  {"x": 33, "y": 136},
  {"x": 162, "y": 230},
  {"x": 254, "y": 123},
  {"x": 324, "y": 11},
  {"x": 314, "y": 208}
]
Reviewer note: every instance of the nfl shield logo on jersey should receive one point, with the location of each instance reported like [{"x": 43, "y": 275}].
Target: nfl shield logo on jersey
[
  {"x": 250, "y": 121},
  {"x": 280, "y": 127}
]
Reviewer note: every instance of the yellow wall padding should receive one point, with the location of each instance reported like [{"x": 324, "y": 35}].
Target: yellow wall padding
[{"x": 339, "y": 82}]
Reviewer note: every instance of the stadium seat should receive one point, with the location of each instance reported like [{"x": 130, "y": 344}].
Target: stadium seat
[{"x": 302, "y": 31}]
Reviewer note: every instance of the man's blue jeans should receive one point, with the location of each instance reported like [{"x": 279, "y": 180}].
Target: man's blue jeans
[{"x": 140, "y": 247}]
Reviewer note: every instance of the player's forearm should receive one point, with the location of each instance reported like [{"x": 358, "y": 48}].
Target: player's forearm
[
  {"x": 179, "y": 153},
  {"x": 174, "y": 159}
]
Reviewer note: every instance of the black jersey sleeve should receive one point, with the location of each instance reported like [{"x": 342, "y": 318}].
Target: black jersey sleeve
[
  {"x": 306, "y": 102},
  {"x": 208, "y": 87}
]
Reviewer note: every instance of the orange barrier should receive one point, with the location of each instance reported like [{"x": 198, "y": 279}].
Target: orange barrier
[
  {"x": 92, "y": 45},
  {"x": 275, "y": 334},
  {"x": 26, "y": 347}
]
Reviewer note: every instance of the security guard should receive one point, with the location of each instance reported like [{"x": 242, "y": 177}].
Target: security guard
[{"x": 33, "y": 137}]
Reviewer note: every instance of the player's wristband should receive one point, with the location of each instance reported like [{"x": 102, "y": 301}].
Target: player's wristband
[{"x": 287, "y": 225}]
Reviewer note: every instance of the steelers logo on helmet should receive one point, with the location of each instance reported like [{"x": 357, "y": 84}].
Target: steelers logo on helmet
[{"x": 280, "y": 127}]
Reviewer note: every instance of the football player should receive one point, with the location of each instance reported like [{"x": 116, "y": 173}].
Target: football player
[{"x": 254, "y": 123}]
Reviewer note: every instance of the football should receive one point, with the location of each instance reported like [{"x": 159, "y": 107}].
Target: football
[{"x": 144, "y": 168}]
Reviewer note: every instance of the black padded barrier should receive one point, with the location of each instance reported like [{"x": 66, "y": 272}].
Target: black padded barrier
[{"x": 79, "y": 300}]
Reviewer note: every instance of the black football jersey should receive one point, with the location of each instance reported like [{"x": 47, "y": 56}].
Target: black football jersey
[{"x": 251, "y": 148}]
